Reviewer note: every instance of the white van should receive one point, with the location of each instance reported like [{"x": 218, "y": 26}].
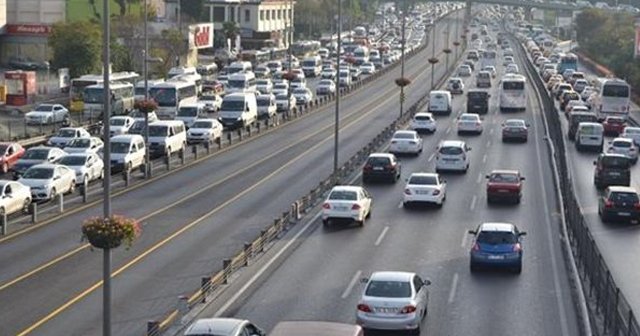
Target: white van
[
  {"x": 244, "y": 82},
  {"x": 266, "y": 106},
  {"x": 167, "y": 137},
  {"x": 127, "y": 151},
  {"x": 590, "y": 136},
  {"x": 452, "y": 155},
  {"x": 238, "y": 110},
  {"x": 440, "y": 102},
  {"x": 188, "y": 113},
  {"x": 344, "y": 77},
  {"x": 312, "y": 66}
]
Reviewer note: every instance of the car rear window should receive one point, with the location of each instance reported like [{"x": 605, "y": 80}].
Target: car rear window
[
  {"x": 622, "y": 144},
  {"x": 378, "y": 161},
  {"x": 389, "y": 289},
  {"x": 615, "y": 162},
  {"x": 496, "y": 237},
  {"x": 503, "y": 178},
  {"x": 423, "y": 118},
  {"x": 423, "y": 180},
  {"x": 623, "y": 197},
  {"x": 403, "y": 136},
  {"x": 343, "y": 195},
  {"x": 450, "y": 150}
]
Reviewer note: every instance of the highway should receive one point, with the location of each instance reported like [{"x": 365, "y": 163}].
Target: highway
[
  {"x": 319, "y": 281},
  {"x": 204, "y": 214}
]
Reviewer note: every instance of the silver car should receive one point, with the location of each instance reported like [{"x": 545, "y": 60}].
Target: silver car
[
  {"x": 223, "y": 327},
  {"x": 393, "y": 301}
]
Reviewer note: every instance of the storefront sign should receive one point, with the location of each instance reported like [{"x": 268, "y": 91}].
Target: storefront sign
[
  {"x": 28, "y": 29},
  {"x": 201, "y": 36}
]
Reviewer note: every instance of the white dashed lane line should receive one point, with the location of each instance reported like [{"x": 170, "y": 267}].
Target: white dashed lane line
[{"x": 352, "y": 283}]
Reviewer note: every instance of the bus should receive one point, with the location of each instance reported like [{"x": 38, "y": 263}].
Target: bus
[
  {"x": 242, "y": 82},
  {"x": 172, "y": 94},
  {"x": 488, "y": 58},
  {"x": 193, "y": 77},
  {"x": 255, "y": 57},
  {"x": 122, "y": 99},
  {"x": 568, "y": 61},
  {"x": 305, "y": 48},
  {"x": 513, "y": 94},
  {"x": 139, "y": 93},
  {"x": 78, "y": 85},
  {"x": 613, "y": 97}
]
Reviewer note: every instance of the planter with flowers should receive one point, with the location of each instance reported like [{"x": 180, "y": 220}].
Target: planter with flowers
[
  {"x": 290, "y": 75},
  {"x": 402, "y": 81},
  {"x": 110, "y": 232},
  {"x": 146, "y": 105}
]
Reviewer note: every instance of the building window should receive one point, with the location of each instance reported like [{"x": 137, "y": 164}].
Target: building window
[
  {"x": 289, "y": 13},
  {"x": 273, "y": 14},
  {"x": 279, "y": 14},
  {"x": 247, "y": 15},
  {"x": 232, "y": 14},
  {"x": 262, "y": 15},
  {"x": 268, "y": 15},
  {"x": 218, "y": 14}
]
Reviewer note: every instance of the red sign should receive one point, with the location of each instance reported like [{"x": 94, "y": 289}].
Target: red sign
[
  {"x": 201, "y": 35},
  {"x": 28, "y": 29}
]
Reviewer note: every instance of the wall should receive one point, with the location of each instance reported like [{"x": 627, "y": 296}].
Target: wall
[
  {"x": 3, "y": 15},
  {"x": 35, "y": 11}
]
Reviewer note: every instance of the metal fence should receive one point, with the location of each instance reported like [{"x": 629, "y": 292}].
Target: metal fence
[{"x": 599, "y": 286}]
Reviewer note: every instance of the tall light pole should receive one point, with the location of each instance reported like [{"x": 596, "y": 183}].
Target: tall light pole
[
  {"x": 403, "y": 42},
  {"x": 145, "y": 70},
  {"x": 106, "y": 188},
  {"x": 433, "y": 60},
  {"x": 337, "y": 114}
]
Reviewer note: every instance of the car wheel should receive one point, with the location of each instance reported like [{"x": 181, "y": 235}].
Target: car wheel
[
  {"x": 369, "y": 213},
  {"x": 473, "y": 267},
  {"x": 5, "y": 168},
  {"x": 416, "y": 331},
  {"x": 52, "y": 194},
  {"x": 325, "y": 222},
  {"x": 25, "y": 205},
  {"x": 518, "y": 268},
  {"x": 72, "y": 187}
]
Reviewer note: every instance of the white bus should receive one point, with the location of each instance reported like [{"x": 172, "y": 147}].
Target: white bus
[
  {"x": 513, "y": 94},
  {"x": 78, "y": 84},
  {"x": 242, "y": 82},
  {"x": 139, "y": 88},
  {"x": 172, "y": 94},
  {"x": 613, "y": 97},
  {"x": 312, "y": 66},
  {"x": 122, "y": 99},
  {"x": 488, "y": 58},
  {"x": 361, "y": 55},
  {"x": 193, "y": 77}
]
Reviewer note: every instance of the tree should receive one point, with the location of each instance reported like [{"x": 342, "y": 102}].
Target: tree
[
  {"x": 194, "y": 9},
  {"x": 171, "y": 47},
  {"x": 77, "y": 46},
  {"x": 230, "y": 29}
]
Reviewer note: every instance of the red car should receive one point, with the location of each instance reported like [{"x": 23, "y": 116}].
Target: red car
[
  {"x": 504, "y": 185},
  {"x": 614, "y": 125},
  {"x": 10, "y": 153}
]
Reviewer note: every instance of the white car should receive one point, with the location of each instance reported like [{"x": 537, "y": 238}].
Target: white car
[
  {"x": 223, "y": 327},
  {"x": 47, "y": 114},
  {"x": 204, "y": 130},
  {"x": 66, "y": 135},
  {"x": 49, "y": 180},
  {"x": 508, "y": 60},
  {"x": 405, "y": 142},
  {"x": 302, "y": 94},
  {"x": 624, "y": 146},
  {"x": 632, "y": 133},
  {"x": 491, "y": 70},
  {"x": 211, "y": 102},
  {"x": 139, "y": 116},
  {"x": 452, "y": 155},
  {"x": 464, "y": 71},
  {"x": 264, "y": 85},
  {"x": 87, "y": 166},
  {"x": 368, "y": 68},
  {"x": 120, "y": 124},
  {"x": 325, "y": 87},
  {"x": 347, "y": 203},
  {"x": 455, "y": 85},
  {"x": 511, "y": 68},
  {"x": 14, "y": 197},
  {"x": 84, "y": 145},
  {"x": 284, "y": 102},
  {"x": 469, "y": 123},
  {"x": 266, "y": 106},
  {"x": 423, "y": 122},
  {"x": 280, "y": 88},
  {"x": 328, "y": 73},
  {"x": 426, "y": 188}
]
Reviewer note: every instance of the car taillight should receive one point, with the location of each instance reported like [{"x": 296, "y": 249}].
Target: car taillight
[
  {"x": 436, "y": 192},
  {"x": 608, "y": 204},
  {"x": 517, "y": 247},
  {"x": 476, "y": 247},
  {"x": 408, "y": 309},
  {"x": 388, "y": 167},
  {"x": 367, "y": 167},
  {"x": 364, "y": 308},
  {"x": 355, "y": 207},
  {"x": 637, "y": 206},
  {"x": 326, "y": 206},
  {"x": 393, "y": 141}
]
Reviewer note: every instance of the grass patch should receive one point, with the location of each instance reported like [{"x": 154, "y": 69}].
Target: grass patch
[{"x": 80, "y": 10}]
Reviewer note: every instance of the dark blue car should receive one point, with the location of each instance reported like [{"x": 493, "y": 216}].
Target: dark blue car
[{"x": 497, "y": 245}]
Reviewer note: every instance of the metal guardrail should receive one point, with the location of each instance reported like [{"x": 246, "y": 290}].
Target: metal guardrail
[{"x": 618, "y": 318}]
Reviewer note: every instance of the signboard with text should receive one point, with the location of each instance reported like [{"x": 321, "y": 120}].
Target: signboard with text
[
  {"x": 201, "y": 36},
  {"x": 28, "y": 29}
]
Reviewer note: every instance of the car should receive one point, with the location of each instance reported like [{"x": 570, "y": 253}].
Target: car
[
  {"x": 393, "y": 301},
  {"x": 619, "y": 203},
  {"x": 515, "y": 129},
  {"x": 483, "y": 79},
  {"x": 355, "y": 73},
  {"x": 25, "y": 63},
  {"x": 328, "y": 73},
  {"x": 423, "y": 122},
  {"x": 507, "y": 60},
  {"x": 469, "y": 123},
  {"x": 425, "y": 188},
  {"x": 84, "y": 145},
  {"x": 87, "y": 166},
  {"x": 611, "y": 169},
  {"x": 280, "y": 88},
  {"x": 631, "y": 133},
  {"x": 262, "y": 72},
  {"x": 624, "y": 146},
  {"x": 566, "y": 96},
  {"x": 614, "y": 125},
  {"x": 464, "y": 70},
  {"x": 223, "y": 327},
  {"x": 303, "y": 95},
  {"x": 48, "y": 180},
  {"x": 367, "y": 68},
  {"x": 36, "y": 155},
  {"x": 455, "y": 85},
  {"x": 560, "y": 88},
  {"x": 470, "y": 64},
  {"x": 452, "y": 155},
  {"x": 204, "y": 130},
  {"x": 14, "y": 197},
  {"x": 511, "y": 68},
  {"x": 572, "y": 105},
  {"x": 325, "y": 87},
  {"x": 347, "y": 204},
  {"x": 264, "y": 85},
  {"x": 580, "y": 84},
  {"x": 120, "y": 124},
  {"x": 140, "y": 116},
  {"x": 491, "y": 69},
  {"x": 381, "y": 166},
  {"x": 210, "y": 102},
  {"x": 405, "y": 141},
  {"x": 67, "y": 134},
  {"x": 47, "y": 114},
  {"x": 504, "y": 185},
  {"x": 10, "y": 153},
  {"x": 496, "y": 244},
  {"x": 266, "y": 106}
]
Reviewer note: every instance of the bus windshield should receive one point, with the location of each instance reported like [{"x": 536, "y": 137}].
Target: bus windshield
[
  {"x": 513, "y": 86},
  {"x": 93, "y": 95},
  {"x": 615, "y": 90},
  {"x": 164, "y": 96}
]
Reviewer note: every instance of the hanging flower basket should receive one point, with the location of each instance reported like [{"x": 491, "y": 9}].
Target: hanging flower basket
[
  {"x": 110, "y": 232},
  {"x": 433, "y": 60},
  {"x": 403, "y": 81},
  {"x": 463, "y": 36},
  {"x": 289, "y": 76},
  {"x": 350, "y": 59},
  {"x": 456, "y": 43},
  {"x": 146, "y": 105},
  {"x": 446, "y": 51}
]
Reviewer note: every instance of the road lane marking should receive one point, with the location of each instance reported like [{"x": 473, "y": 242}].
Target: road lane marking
[
  {"x": 400, "y": 205},
  {"x": 352, "y": 283},
  {"x": 488, "y": 144},
  {"x": 431, "y": 157},
  {"x": 448, "y": 130},
  {"x": 491, "y": 130},
  {"x": 454, "y": 286},
  {"x": 464, "y": 239},
  {"x": 479, "y": 179},
  {"x": 484, "y": 158},
  {"x": 473, "y": 203},
  {"x": 382, "y": 234}
]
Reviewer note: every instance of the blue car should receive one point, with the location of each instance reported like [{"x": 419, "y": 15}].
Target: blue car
[{"x": 497, "y": 245}]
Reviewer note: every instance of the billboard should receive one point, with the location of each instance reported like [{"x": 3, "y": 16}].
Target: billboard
[{"x": 201, "y": 36}]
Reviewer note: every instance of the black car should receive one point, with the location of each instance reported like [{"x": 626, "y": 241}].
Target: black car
[
  {"x": 612, "y": 169},
  {"x": 23, "y": 63},
  {"x": 619, "y": 203},
  {"x": 470, "y": 64},
  {"x": 381, "y": 166},
  {"x": 478, "y": 101}
]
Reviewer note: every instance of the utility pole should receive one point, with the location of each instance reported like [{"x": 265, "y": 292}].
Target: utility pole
[
  {"x": 145, "y": 70},
  {"x": 403, "y": 42},
  {"x": 106, "y": 189},
  {"x": 337, "y": 114}
]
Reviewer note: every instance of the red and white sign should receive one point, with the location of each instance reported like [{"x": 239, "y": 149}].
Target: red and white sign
[
  {"x": 28, "y": 29},
  {"x": 201, "y": 36}
]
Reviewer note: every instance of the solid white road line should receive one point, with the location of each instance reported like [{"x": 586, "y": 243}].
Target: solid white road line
[
  {"x": 400, "y": 205},
  {"x": 382, "y": 234},
  {"x": 454, "y": 287},
  {"x": 448, "y": 130},
  {"x": 479, "y": 179},
  {"x": 484, "y": 158},
  {"x": 431, "y": 157},
  {"x": 464, "y": 239},
  {"x": 473, "y": 202},
  {"x": 352, "y": 283}
]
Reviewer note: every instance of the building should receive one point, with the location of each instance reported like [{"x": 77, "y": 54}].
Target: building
[
  {"x": 262, "y": 23},
  {"x": 3, "y": 15}
]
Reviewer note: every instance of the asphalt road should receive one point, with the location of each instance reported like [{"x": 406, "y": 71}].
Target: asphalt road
[
  {"x": 319, "y": 280},
  {"x": 192, "y": 220}
]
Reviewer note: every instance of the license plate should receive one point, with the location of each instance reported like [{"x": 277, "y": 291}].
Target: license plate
[
  {"x": 341, "y": 208},
  {"x": 378, "y": 168},
  {"x": 624, "y": 214},
  {"x": 614, "y": 174},
  {"x": 503, "y": 191},
  {"x": 496, "y": 257},
  {"x": 422, "y": 192},
  {"x": 594, "y": 138}
]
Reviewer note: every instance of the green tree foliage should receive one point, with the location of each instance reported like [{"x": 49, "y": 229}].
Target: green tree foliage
[
  {"x": 315, "y": 16},
  {"x": 77, "y": 46},
  {"x": 194, "y": 9},
  {"x": 172, "y": 45},
  {"x": 231, "y": 30}
]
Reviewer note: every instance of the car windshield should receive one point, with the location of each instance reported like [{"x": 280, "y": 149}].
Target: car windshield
[
  {"x": 188, "y": 112},
  {"x": 504, "y": 178},
  {"x": 615, "y": 120},
  {"x": 388, "y": 289},
  {"x": 202, "y": 124},
  {"x": 155, "y": 130},
  {"x": 117, "y": 122},
  {"x": 299, "y": 91},
  {"x": 38, "y": 173},
  {"x": 496, "y": 237},
  {"x": 36, "y": 154},
  {"x": 208, "y": 98},
  {"x": 469, "y": 117},
  {"x": 120, "y": 147},
  {"x": 79, "y": 143},
  {"x": 232, "y": 105},
  {"x": 66, "y": 133},
  {"x": 450, "y": 150},
  {"x": 44, "y": 108},
  {"x": 343, "y": 195},
  {"x": 514, "y": 123},
  {"x": 282, "y": 97},
  {"x": 423, "y": 180},
  {"x": 403, "y": 136},
  {"x": 422, "y": 118},
  {"x": 264, "y": 101},
  {"x": 72, "y": 160}
]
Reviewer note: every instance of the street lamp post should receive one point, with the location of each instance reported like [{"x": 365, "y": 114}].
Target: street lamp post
[
  {"x": 433, "y": 60},
  {"x": 403, "y": 42},
  {"x": 145, "y": 70},
  {"x": 337, "y": 114}
]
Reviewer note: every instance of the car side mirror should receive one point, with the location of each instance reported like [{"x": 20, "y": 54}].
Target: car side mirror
[
  {"x": 595, "y": 163},
  {"x": 56, "y": 177},
  {"x": 468, "y": 148},
  {"x": 426, "y": 282},
  {"x": 364, "y": 280},
  {"x": 471, "y": 232},
  {"x": 522, "y": 233},
  {"x": 486, "y": 176}
]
